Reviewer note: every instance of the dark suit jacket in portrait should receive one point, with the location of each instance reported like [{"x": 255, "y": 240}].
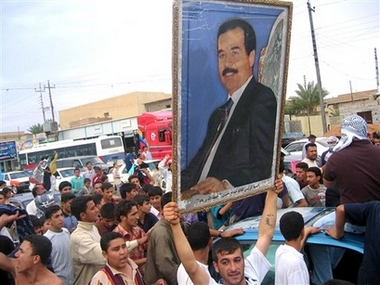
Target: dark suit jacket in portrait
[{"x": 245, "y": 152}]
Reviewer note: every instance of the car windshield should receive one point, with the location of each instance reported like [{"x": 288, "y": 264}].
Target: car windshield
[
  {"x": 17, "y": 175},
  {"x": 292, "y": 135},
  {"x": 67, "y": 172}
]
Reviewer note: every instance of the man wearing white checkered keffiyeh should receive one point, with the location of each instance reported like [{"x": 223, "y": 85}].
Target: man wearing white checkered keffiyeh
[{"x": 352, "y": 127}]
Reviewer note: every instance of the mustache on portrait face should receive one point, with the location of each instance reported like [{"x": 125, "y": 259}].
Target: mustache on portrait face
[{"x": 229, "y": 70}]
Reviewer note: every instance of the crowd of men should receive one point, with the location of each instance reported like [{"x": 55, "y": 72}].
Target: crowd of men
[{"x": 133, "y": 234}]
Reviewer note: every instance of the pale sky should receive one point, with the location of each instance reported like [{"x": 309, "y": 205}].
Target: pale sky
[{"x": 93, "y": 50}]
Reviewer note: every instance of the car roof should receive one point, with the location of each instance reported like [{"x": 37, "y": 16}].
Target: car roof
[{"x": 311, "y": 215}]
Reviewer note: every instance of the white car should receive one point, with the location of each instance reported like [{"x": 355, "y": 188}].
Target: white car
[
  {"x": 62, "y": 174},
  {"x": 295, "y": 148},
  {"x": 18, "y": 181},
  {"x": 124, "y": 172},
  {"x": 295, "y": 151}
]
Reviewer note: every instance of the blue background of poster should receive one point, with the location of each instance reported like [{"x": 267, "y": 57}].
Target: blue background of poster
[{"x": 201, "y": 89}]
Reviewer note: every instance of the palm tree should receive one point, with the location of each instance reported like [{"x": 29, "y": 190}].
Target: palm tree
[
  {"x": 307, "y": 100},
  {"x": 36, "y": 129}
]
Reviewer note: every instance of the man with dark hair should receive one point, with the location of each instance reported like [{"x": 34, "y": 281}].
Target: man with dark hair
[
  {"x": 107, "y": 189},
  {"x": 84, "y": 243},
  {"x": 311, "y": 155},
  {"x": 98, "y": 175},
  {"x": 246, "y": 122},
  {"x": 200, "y": 242},
  {"x": 120, "y": 269},
  {"x": 128, "y": 191},
  {"x": 3, "y": 184},
  {"x": 311, "y": 139},
  {"x": 69, "y": 222},
  {"x": 97, "y": 187},
  {"x": 376, "y": 138},
  {"x": 126, "y": 214},
  {"x": 301, "y": 177},
  {"x": 37, "y": 190},
  {"x": 227, "y": 252},
  {"x": 315, "y": 192},
  {"x": 107, "y": 221},
  {"x": 134, "y": 179},
  {"x": 29, "y": 266},
  {"x": 60, "y": 238},
  {"x": 64, "y": 187},
  {"x": 155, "y": 195},
  {"x": 163, "y": 259},
  {"x": 146, "y": 219},
  {"x": 289, "y": 263}
]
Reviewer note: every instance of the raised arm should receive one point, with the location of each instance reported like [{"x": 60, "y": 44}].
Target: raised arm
[
  {"x": 197, "y": 275},
  {"x": 268, "y": 219}
]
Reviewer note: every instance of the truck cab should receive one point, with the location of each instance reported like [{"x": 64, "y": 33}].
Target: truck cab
[{"x": 155, "y": 131}]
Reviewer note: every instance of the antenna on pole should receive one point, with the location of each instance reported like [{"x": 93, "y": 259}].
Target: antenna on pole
[{"x": 319, "y": 83}]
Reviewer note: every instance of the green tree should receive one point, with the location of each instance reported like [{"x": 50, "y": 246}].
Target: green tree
[
  {"x": 306, "y": 101},
  {"x": 36, "y": 129}
]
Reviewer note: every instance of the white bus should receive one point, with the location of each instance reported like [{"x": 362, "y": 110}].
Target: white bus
[{"x": 108, "y": 148}]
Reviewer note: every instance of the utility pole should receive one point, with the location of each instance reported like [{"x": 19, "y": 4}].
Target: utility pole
[
  {"x": 51, "y": 101},
  {"x": 42, "y": 101},
  {"x": 324, "y": 124},
  {"x": 377, "y": 73},
  {"x": 352, "y": 96}
]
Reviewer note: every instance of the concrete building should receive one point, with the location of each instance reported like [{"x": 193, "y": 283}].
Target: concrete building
[
  {"x": 120, "y": 107},
  {"x": 364, "y": 103},
  {"x": 116, "y": 116}
]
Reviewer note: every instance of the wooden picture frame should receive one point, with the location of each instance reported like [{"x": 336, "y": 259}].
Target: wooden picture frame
[{"x": 235, "y": 155}]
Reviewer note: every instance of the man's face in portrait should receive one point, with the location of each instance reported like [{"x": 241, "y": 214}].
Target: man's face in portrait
[{"x": 235, "y": 66}]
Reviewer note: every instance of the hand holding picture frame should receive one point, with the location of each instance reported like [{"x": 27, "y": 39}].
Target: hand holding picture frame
[{"x": 230, "y": 65}]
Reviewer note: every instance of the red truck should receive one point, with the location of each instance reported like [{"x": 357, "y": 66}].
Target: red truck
[{"x": 155, "y": 131}]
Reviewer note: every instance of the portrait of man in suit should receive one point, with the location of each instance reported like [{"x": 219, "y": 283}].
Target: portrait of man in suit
[
  {"x": 238, "y": 148},
  {"x": 230, "y": 74}
]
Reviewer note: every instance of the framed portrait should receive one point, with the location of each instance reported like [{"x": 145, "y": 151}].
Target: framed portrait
[{"x": 230, "y": 62}]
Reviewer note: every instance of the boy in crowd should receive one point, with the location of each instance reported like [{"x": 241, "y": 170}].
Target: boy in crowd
[
  {"x": 107, "y": 191},
  {"x": 119, "y": 266},
  {"x": 128, "y": 191},
  {"x": 86, "y": 189},
  {"x": 155, "y": 195},
  {"x": 146, "y": 219},
  {"x": 64, "y": 187},
  {"x": 126, "y": 215},
  {"x": 69, "y": 222},
  {"x": 289, "y": 263},
  {"x": 314, "y": 192},
  {"x": 60, "y": 238},
  {"x": 97, "y": 187},
  {"x": 77, "y": 182},
  {"x": 107, "y": 222}
]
